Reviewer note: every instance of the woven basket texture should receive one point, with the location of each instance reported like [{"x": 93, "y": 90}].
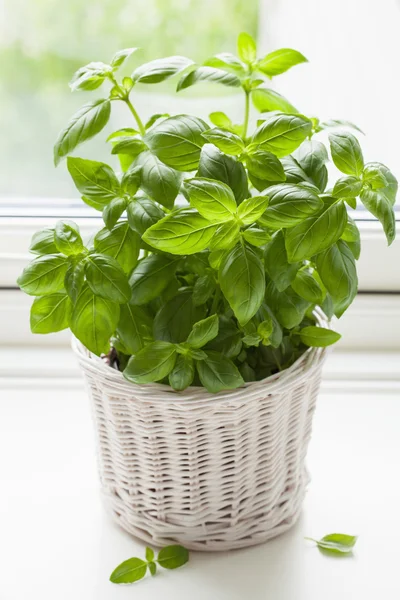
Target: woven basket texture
[{"x": 209, "y": 471}]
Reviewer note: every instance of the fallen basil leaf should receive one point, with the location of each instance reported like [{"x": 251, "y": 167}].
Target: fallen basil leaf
[
  {"x": 172, "y": 557},
  {"x": 129, "y": 571},
  {"x": 336, "y": 543}
]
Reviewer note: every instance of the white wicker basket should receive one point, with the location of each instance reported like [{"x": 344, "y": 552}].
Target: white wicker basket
[{"x": 212, "y": 472}]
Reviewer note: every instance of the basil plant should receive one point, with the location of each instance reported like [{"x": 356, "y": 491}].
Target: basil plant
[{"x": 218, "y": 243}]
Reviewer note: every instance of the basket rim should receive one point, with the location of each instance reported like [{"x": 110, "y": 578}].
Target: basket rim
[{"x": 310, "y": 360}]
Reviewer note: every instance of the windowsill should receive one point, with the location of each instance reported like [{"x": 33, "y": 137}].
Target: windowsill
[{"x": 50, "y": 493}]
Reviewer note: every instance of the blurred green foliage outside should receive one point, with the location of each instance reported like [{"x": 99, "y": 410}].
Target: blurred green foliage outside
[{"x": 42, "y": 42}]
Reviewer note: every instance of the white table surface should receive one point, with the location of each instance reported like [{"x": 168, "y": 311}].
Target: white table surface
[{"x": 57, "y": 543}]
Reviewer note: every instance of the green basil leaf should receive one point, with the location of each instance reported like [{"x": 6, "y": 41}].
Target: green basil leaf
[
  {"x": 44, "y": 275},
  {"x": 318, "y": 337},
  {"x": 143, "y": 213},
  {"x": 215, "y": 258},
  {"x": 125, "y": 131},
  {"x": 281, "y": 134},
  {"x": 158, "y": 181},
  {"x": 307, "y": 286},
  {"x": 226, "y": 61},
  {"x": 351, "y": 235},
  {"x": 226, "y": 236},
  {"x": 374, "y": 177},
  {"x": 154, "y": 362},
  {"x": 293, "y": 171},
  {"x": 317, "y": 232},
  {"x": 177, "y": 141},
  {"x": 203, "y": 289},
  {"x": 94, "y": 320},
  {"x": 288, "y": 307},
  {"x": 289, "y": 204},
  {"x": 121, "y": 243},
  {"x": 121, "y": 56},
  {"x": 74, "y": 279},
  {"x": 209, "y": 74},
  {"x": 213, "y": 199},
  {"x": 251, "y": 339},
  {"x": 225, "y": 140},
  {"x": 195, "y": 354},
  {"x": 149, "y": 554},
  {"x": 337, "y": 269},
  {"x": 89, "y": 77},
  {"x": 328, "y": 306},
  {"x": 152, "y": 568},
  {"x": 265, "y": 314},
  {"x": 67, "y": 238},
  {"x": 351, "y": 232},
  {"x": 265, "y": 165},
  {"x": 247, "y": 372},
  {"x": 267, "y": 100},
  {"x": 346, "y": 153},
  {"x": 95, "y": 180},
  {"x": 390, "y": 189},
  {"x": 85, "y": 124},
  {"x": 182, "y": 374},
  {"x": 129, "y": 571},
  {"x": 276, "y": 263},
  {"x": 337, "y": 543},
  {"x": 131, "y": 145},
  {"x": 43, "y": 242},
  {"x": 51, "y": 313},
  {"x": 352, "y": 202},
  {"x": 355, "y": 249},
  {"x": 335, "y": 123},
  {"x": 151, "y": 277},
  {"x": 172, "y": 557},
  {"x": 242, "y": 280},
  {"x": 131, "y": 181},
  {"x": 135, "y": 327},
  {"x": 256, "y": 237},
  {"x": 279, "y": 61},
  {"x": 265, "y": 329},
  {"x": 247, "y": 48},
  {"x": 171, "y": 290},
  {"x": 216, "y": 165},
  {"x": 175, "y": 319},
  {"x": 106, "y": 278},
  {"x": 380, "y": 206},
  {"x": 203, "y": 332},
  {"x": 160, "y": 69},
  {"x": 347, "y": 187},
  {"x": 183, "y": 232},
  {"x": 154, "y": 118},
  {"x": 229, "y": 340},
  {"x": 197, "y": 263},
  {"x": 251, "y": 209},
  {"x": 113, "y": 211},
  {"x": 312, "y": 157},
  {"x": 218, "y": 373},
  {"x": 220, "y": 119}
]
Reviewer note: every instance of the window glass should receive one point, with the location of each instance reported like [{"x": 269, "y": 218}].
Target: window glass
[
  {"x": 43, "y": 42},
  {"x": 353, "y": 48}
]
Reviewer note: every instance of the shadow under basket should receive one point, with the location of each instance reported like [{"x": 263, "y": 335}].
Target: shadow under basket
[{"x": 208, "y": 471}]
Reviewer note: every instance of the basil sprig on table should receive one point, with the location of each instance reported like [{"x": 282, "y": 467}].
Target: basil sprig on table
[
  {"x": 218, "y": 242},
  {"x": 133, "y": 569}
]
